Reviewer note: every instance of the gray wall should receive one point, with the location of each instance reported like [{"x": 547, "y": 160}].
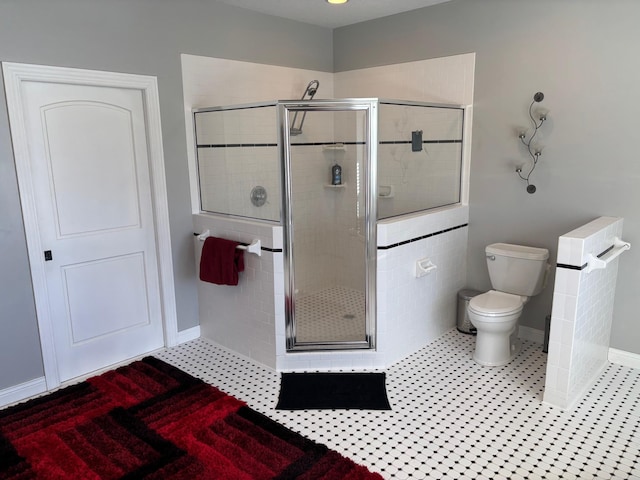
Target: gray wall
[
  {"x": 133, "y": 36},
  {"x": 583, "y": 54}
]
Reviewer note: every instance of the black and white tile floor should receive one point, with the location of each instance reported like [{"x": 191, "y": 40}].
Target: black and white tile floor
[{"x": 453, "y": 419}]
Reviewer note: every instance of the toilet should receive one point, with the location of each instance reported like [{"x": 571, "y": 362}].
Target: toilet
[{"x": 517, "y": 273}]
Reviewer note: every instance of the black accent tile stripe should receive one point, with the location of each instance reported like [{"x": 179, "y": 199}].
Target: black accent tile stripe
[
  {"x": 326, "y": 144},
  {"x": 408, "y": 142},
  {"x": 316, "y": 144},
  {"x": 571, "y": 267},
  {"x": 417, "y": 239},
  {"x": 235, "y": 145},
  {"x": 235, "y": 108}
]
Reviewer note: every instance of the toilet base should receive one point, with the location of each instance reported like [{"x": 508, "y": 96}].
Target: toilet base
[{"x": 496, "y": 350}]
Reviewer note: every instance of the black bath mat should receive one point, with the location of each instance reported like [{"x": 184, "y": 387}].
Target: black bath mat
[{"x": 303, "y": 391}]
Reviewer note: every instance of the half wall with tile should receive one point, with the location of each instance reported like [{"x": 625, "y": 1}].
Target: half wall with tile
[
  {"x": 582, "y": 310},
  {"x": 243, "y": 318}
]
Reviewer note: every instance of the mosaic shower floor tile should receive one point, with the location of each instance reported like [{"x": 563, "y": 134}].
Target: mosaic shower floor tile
[{"x": 332, "y": 314}]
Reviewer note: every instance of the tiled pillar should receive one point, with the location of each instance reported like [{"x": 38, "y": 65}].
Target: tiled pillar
[{"x": 582, "y": 311}]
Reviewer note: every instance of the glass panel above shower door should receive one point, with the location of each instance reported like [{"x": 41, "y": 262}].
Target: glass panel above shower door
[
  {"x": 420, "y": 151},
  {"x": 330, "y": 230},
  {"x": 238, "y": 163}
]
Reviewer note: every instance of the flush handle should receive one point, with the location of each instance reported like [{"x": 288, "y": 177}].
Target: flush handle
[{"x": 491, "y": 257}]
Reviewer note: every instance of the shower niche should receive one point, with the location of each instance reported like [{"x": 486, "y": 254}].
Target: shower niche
[{"x": 329, "y": 225}]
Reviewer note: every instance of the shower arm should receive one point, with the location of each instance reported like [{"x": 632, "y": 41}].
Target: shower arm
[{"x": 311, "y": 90}]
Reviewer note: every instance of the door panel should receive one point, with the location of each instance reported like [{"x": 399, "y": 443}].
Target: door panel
[
  {"x": 90, "y": 172},
  {"x": 102, "y": 281},
  {"x": 89, "y": 150}
]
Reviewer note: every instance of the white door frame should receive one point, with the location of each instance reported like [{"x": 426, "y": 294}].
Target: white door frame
[{"x": 14, "y": 75}]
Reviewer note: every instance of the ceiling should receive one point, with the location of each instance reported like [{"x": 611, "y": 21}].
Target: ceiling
[{"x": 321, "y": 13}]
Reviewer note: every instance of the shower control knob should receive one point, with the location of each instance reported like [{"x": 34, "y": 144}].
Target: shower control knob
[{"x": 258, "y": 196}]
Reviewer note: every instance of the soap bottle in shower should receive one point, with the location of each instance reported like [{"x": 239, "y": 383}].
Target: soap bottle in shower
[{"x": 336, "y": 175}]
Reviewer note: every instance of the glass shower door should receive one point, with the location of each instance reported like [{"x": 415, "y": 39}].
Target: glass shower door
[{"x": 329, "y": 233}]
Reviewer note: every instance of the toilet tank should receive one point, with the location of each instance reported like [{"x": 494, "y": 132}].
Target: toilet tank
[{"x": 517, "y": 269}]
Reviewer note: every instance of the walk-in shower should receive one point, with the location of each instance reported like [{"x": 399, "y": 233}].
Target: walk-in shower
[{"x": 396, "y": 158}]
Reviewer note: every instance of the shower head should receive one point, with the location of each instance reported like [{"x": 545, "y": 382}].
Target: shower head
[
  {"x": 311, "y": 89},
  {"x": 308, "y": 94}
]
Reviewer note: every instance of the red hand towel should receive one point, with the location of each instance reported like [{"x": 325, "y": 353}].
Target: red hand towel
[{"x": 221, "y": 261}]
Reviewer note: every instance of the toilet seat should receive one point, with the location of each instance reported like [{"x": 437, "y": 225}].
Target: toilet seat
[{"x": 496, "y": 304}]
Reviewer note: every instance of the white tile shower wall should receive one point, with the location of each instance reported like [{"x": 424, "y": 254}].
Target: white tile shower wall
[
  {"x": 399, "y": 229},
  {"x": 243, "y": 317},
  {"x": 312, "y": 208},
  {"x": 328, "y": 237},
  {"x": 348, "y": 222},
  {"x": 245, "y": 125},
  {"x": 424, "y": 179},
  {"x": 582, "y": 312},
  {"x": 440, "y": 80},
  {"x": 419, "y": 180},
  {"x": 216, "y": 81},
  {"x": 228, "y": 174},
  {"x": 436, "y": 80},
  {"x": 213, "y": 82},
  {"x": 210, "y": 82}
]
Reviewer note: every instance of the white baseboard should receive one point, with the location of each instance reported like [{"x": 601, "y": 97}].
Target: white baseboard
[
  {"x": 39, "y": 385},
  {"x": 24, "y": 390},
  {"x": 188, "y": 334},
  {"x": 531, "y": 334},
  {"x": 627, "y": 359}
]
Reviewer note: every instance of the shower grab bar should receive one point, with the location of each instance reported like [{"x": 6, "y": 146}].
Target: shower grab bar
[
  {"x": 253, "y": 247},
  {"x": 595, "y": 263}
]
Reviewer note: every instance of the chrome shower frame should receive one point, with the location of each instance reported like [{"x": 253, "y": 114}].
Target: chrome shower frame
[
  {"x": 370, "y": 107},
  {"x": 285, "y": 111}
]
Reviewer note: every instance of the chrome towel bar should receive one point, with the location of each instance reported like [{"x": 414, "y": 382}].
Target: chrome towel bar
[
  {"x": 595, "y": 263},
  {"x": 253, "y": 247}
]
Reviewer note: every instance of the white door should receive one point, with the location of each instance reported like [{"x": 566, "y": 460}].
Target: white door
[{"x": 92, "y": 196}]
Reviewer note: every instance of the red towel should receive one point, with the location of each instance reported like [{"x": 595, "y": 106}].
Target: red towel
[{"x": 221, "y": 261}]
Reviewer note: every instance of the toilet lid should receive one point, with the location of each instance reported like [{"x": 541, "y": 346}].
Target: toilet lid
[{"x": 496, "y": 303}]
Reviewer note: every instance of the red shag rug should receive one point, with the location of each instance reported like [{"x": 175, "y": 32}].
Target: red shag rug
[{"x": 152, "y": 420}]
